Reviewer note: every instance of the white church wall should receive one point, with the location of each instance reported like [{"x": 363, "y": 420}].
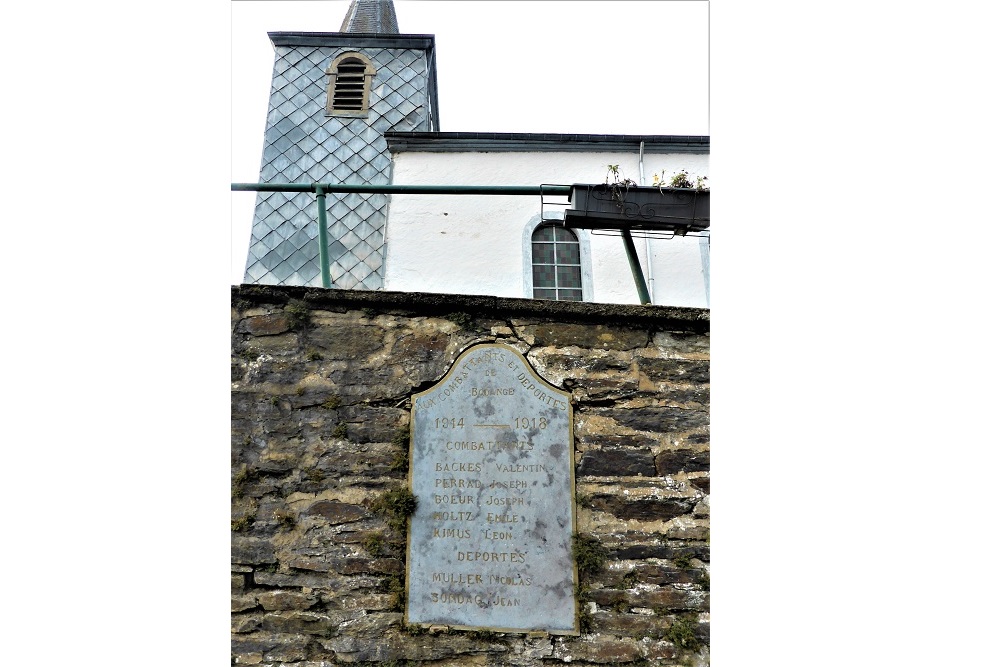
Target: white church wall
[{"x": 474, "y": 244}]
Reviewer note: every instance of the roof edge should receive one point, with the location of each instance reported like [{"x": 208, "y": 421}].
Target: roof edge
[
  {"x": 282, "y": 38},
  {"x": 440, "y": 142}
]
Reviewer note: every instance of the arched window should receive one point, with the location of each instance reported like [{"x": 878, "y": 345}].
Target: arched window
[
  {"x": 555, "y": 264},
  {"x": 349, "y": 84}
]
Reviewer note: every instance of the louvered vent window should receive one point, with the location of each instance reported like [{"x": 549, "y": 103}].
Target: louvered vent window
[
  {"x": 555, "y": 264},
  {"x": 350, "y": 80}
]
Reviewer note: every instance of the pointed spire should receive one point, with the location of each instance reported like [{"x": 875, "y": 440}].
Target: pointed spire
[{"x": 371, "y": 16}]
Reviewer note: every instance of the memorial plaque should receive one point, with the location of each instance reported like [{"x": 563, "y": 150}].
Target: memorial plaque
[{"x": 491, "y": 464}]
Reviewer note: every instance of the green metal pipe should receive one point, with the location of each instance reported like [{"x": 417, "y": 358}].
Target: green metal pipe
[
  {"x": 324, "y": 259},
  {"x": 633, "y": 262},
  {"x": 533, "y": 190}
]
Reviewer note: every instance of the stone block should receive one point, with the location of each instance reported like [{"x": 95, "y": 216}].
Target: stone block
[
  {"x": 675, "y": 461},
  {"x": 264, "y": 325},
  {"x": 300, "y": 623},
  {"x": 674, "y": 370},
  {"x": 336, "y": 512},
  {"x": 251, "y": 551},
  {"x": 703, "y": 484},
  {"x": 618, "y": 462},
  {"x": 243, "y": 602},
  {"x": 657, "y": 419},
  {"x": 285, "y": 600},
  {"x": 682, "y": 344},
  {"x": 597, "y": 337},
  {"x": 271, "y": 648},
  {"x": 642, "y": 509},
  {"x": 244, "y": 623},
  {"x": 353, "y": 343},
  {"x": 630, "y": 625},
  {"x": 600, "y": 649},
  {"x": 666, "y": 598}
]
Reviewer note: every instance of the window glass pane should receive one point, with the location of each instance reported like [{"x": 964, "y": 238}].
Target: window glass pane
[
  {"x": 569, "y": 276},
  {"x": 563, "y": 235},
  {"x": 543, "y": 276},
  {"x": 570, "y": 295},
  {"x": 545, "y": 293},
  {"x": 542, "y": 253},
  {"x": 543, "y": 234},
  {"x": 567, "y": 253}
]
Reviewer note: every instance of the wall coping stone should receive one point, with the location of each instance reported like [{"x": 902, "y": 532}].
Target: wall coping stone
[{"x": 689, "y": 320}]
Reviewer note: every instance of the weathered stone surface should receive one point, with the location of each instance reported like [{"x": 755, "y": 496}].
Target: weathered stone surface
[
  {"x": 271, "y": 648},
  {"x": 599, "y": 649},
  {"x": 642, "y": 509},
  {"x": 646, "y": 574},
  {"x": 702, "y": 483},
  {"x": 601, "y": 389},
  {"x": 300, "y": 623},
  {"x": 336, "y": 512},
  {"x": 243, "y": 602},
  {"x": 666, "y": 598},
  {"x": 661, "y": 550},
  {"x": 264, "y": 325},
  {"x": 617, "y": 462},
  {"x": 674, "y": 461},
  {"x": 599, "y": 337},
  {"x": 657, "y": 420},
  {"x": 701, "y": 510},
  {"x": 358, "y": 601},
  {"x": 630, "y": 625},
  {"x": 282, "y": 345},
  {"x": 312, "y": 580},
  {"x": 423, "y": 347},
  {"x": 587, "y": 366},
  {"x": 251, "y": 551},
  {"x": 282, "y": 600},
  {"x": 674, "y": 370},
  {"x": 342, "y": 342},
  {"x": 244, "y": 623},
  {"x": 375, "y": 638},
  {"x": 687, "y": 345},
  {"x": 347, "y": 565},
  {"x": 590, "y": 434}
]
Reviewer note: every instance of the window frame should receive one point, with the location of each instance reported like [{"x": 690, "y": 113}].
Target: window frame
[
  {"x": 583, "y": 241},
  {"x": 332, "y": 73}
]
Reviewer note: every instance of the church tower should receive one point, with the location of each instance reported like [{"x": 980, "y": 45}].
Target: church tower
[{"x": 333, "y": 96}]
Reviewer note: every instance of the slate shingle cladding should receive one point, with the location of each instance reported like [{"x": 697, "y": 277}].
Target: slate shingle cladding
[{"x": 303, "y": 145}]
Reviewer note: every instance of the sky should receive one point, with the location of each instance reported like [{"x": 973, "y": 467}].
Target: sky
[{"x": 598, "y": 67}]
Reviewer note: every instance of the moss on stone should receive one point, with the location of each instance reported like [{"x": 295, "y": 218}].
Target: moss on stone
[
  {"x": 589, "y": 553},
  {"x": 395, "y": 506}
]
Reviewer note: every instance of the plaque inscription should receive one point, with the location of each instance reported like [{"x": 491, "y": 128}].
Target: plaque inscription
[{"x": 491, "y": 464}]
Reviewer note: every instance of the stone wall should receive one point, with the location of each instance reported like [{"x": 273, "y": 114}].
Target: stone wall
[{"x": 321, "y": 381}]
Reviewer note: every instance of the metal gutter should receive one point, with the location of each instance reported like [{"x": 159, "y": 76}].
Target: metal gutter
[{"x": 439, "y": 142}]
